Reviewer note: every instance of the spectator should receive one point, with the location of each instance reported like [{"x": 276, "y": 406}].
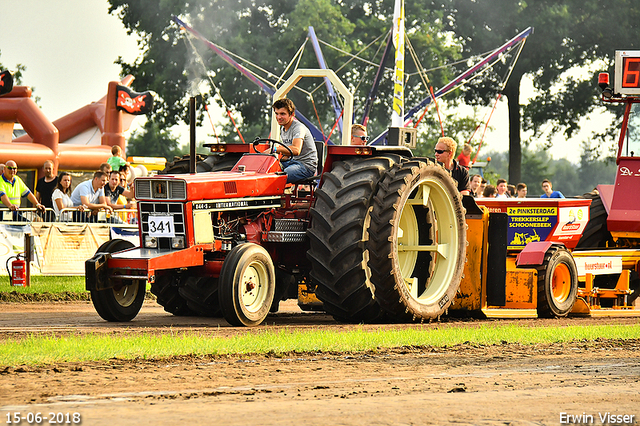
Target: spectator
[
  {"x": 489, "y": 192},
  {"x": 45, "y": 187},
  {"x": 511, "y": 191},
  {"x": 12, "y": 189},
  {"x": 116, "y": 161},
  {"x": 501, "y": 189},
  {"x": 464, "y": 159},
  {"x": 105, "y": 167},
  {"x": 90, "y": 194},
  {"x": 445, "y": 149},
  {"x": 62, "y": 200},
  {"x": 126, "y": 177},
  {"x": 359, "y": 135},
  {"x": 113, "y": 189},
  {"x": 474, "y": 186},
  {"x": 521, "y": 190},
  {"x": 548, "y": 190},
  {"x": 483, "y": 185}
]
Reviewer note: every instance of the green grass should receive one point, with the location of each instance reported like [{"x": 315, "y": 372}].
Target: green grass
[
  {"x": 39, "y": 350},
  {"x": 46, "y": 284}
]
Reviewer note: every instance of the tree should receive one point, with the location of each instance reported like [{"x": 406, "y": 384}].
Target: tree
[
  {"x": 153, "y": 141},
  {"x": 17, "y": 72},
  {"x": 569, "y": 34},
  {"x": 269, "y": 33}
]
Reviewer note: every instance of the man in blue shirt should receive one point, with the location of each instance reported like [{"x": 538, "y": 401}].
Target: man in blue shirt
[
  {"x": 90, "y": 194},
  {"x": 548, "y": 190}
]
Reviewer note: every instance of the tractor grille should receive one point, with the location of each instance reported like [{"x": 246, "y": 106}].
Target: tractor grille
[
  {"x": 175, "y": 210},
  {"x": 161, "y": 189}
]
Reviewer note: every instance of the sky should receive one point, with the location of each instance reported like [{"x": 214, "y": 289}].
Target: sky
[{"x": 69, "y": 48}]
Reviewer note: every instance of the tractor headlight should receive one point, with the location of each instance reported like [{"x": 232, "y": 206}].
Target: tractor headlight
[
  {"x": 177, "y": 242},
  {"x": 150, "y": 242}
]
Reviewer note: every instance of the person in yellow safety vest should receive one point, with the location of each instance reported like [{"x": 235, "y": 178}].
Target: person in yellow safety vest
[{"x": 12, "y": 189}]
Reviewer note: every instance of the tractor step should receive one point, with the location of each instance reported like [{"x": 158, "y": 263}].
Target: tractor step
[
  {"x": 290, "y": 225},
  {"x": 287, "y": 231},
  {"x": 285, "y": 237}
]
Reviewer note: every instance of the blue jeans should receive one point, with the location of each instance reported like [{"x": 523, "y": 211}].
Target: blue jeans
[{"x": 296, "y": 171}]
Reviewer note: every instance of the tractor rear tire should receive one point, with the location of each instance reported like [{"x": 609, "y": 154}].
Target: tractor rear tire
[
  {"x": 247, "y": 285},
  {"x": 208, "y": 163},
  {"x": 338, "y": 236},
  {"x": 417, "y": 241},
  {"x": 201, "y": 294},
  {"x": 596, "y": 234},
  {"x": 123, "y": 300},
  {"x": 166, "y": 290},
  {"x": 557, "y": 283}
]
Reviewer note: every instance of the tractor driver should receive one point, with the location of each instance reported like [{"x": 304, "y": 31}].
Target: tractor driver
[
  {"x": 298, "y": 138},
  {"x": 445, "y": 150}
]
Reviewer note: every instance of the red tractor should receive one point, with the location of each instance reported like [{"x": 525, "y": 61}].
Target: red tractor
[{"x": 234, "y": 243}]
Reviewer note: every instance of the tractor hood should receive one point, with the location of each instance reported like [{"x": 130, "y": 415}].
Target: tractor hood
[{"x": 252, "y": 176}]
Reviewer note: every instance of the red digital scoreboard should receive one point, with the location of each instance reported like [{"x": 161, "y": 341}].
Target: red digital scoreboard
[{"x": 627, "y": 77}]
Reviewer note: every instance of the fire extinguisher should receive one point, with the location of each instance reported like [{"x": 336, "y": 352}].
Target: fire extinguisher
[{"x": 17, "y": 274}]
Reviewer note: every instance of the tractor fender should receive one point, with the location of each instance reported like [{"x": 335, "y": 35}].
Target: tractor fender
[{"x": 533, "y": 253}]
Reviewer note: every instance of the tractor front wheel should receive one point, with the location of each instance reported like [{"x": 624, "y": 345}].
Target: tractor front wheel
[
  {"x": 247, "y": 285},
  {"x": 201, "y": 294},
  {"x": 123, "y": 300}
]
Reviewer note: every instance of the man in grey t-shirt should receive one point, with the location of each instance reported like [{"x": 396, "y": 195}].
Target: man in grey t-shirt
[{"x": 298, "y": 138}]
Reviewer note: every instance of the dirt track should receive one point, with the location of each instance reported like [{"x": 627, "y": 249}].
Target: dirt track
[{"x": 465, "y": 384}]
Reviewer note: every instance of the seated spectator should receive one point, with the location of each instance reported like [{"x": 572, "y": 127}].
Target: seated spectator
[
  {"x": 126, "y": 177},
  {"x": 12, "y": 189},
  {"x": 483, "y": 185},
  {"x": 91, "y": 195},
  {"x": 114, "y": 189},
  {"x": 359, "y": 135},
  {"x": 105, "y": 167},
  {"x": 116, "y": 161},
  {"x": 62, "y": 200},
  {"x": 464, "y": 159},
  {"x": 521, "y": 190},
  {"x": 474, "y": 186},
  {"x": 489, "y": 192},
  {"x": 501, "y": 189},
  {"x": 548, "y": 190}
]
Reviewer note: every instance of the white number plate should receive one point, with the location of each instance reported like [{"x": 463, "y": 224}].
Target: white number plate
[{"x": 161, "y": 226}]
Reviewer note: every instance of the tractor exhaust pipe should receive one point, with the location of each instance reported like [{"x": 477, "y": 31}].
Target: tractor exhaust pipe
[{"x": 192, "y": 134}]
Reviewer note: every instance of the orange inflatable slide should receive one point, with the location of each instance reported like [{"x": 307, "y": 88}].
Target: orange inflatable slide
[{"x": 81, "y": 140}]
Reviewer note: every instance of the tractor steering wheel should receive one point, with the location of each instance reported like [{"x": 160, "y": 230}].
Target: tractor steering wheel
[{"x": 272, "y": 144}]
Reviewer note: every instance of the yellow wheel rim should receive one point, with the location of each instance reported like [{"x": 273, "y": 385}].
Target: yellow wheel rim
[
  {"x": 126, "y": 294},
  {"x": 431, "y": 194}
]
